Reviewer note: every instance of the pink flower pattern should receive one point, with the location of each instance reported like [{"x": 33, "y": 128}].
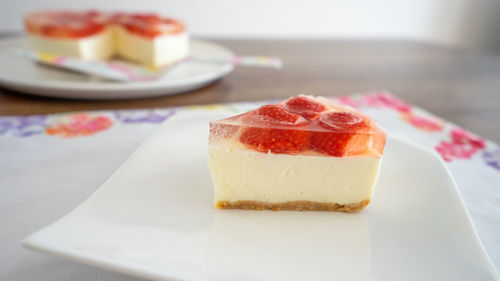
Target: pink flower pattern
[
  {"x": 347, "y": 100},
  {"x": 461, "y": 146},
  {"x": 80, "y": 124},
  {"x": 422, "y": 122},
  {"x": 386, "y": 100}
]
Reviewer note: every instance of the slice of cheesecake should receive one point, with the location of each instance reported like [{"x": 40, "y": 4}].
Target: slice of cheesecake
[
  {"x": 85, "y": 35},
  {"x": 304, "y": 153}
]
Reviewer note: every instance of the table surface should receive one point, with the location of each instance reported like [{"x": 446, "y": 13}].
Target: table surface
[{"x": 458, "y": 85}]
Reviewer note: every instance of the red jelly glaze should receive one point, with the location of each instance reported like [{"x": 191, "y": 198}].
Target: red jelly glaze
[
  {"x": 303, "y": 123},
  {"x": 74, "y": 25},
  {"x": 65, "y": 24},
  {"x": 148, "y": 25}
]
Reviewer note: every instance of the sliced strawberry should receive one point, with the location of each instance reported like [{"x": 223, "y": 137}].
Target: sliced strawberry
[
  {"x": 345, "y": 135},
  {"x": 266, "y": 140},
  {"x": 277, "y": 132},
  {"x": 274, "y": 114},
  {"x": 342, "y": 121},
  {"x": 305, "y": 106},
  {"x": 330, "y": 143}
]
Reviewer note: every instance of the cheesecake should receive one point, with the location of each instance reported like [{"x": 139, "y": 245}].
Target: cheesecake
[
  {"x": 305, "y": 153},
  {"x": 147, "y": 39}
]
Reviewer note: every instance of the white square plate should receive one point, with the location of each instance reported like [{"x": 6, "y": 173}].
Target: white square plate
[{"x": 154, "y": 218}]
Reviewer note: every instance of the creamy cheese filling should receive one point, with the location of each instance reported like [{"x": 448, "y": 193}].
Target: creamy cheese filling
[
  {"x": 275, "y": 178},
  {"x": 158, "y": 51},
  {"x": 95, "y": 47}
]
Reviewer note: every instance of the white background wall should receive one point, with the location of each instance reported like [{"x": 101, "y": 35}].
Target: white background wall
[{"x": 466, "y": 23}]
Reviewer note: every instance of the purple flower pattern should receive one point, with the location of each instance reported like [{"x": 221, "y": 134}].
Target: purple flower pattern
[
  {"x": 23, "y": 126},
  {"x": 492, "y": 158},
  {"x": 143, "y": 116}
]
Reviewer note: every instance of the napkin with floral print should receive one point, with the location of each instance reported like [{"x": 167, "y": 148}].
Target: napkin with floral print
[{"x": 106, "y": 138}]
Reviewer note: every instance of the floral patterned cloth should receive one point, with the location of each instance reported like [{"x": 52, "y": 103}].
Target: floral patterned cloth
[
  {"x": 456, "y": 144},
  {"x": 473, "y": 161}
]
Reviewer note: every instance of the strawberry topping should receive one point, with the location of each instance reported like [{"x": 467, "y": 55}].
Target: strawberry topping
[
  {"x": 65, "y": 24},
  {"x": 275, "y": 140},
  {"x": 344, "y": 135},
  {"x": 265, "y": 140},
  {"x": 304, "y": 123},
  {"x": 70, "y": 24},
  {"x": 341, "y": 121},
  {"x": 275, "y": 114},
  {"x": 305, "y": 106},
  {"x": 148, "y": 25}
]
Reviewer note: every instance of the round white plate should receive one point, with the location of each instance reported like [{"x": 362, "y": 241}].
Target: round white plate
[
  {"x": 21, "y": 74},
  {"x": 154, "y": 218}
]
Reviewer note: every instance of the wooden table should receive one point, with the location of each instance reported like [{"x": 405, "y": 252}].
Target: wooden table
[{"x": 460, "y": 86}]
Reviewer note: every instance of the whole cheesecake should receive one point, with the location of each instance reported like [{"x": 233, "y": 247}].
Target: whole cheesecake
[
  {"x": 91, "y": 35},
  {"x": 305, "y": 153}
]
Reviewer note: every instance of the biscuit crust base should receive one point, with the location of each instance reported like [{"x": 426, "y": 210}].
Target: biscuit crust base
[{"x": 301, "y": 205}]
